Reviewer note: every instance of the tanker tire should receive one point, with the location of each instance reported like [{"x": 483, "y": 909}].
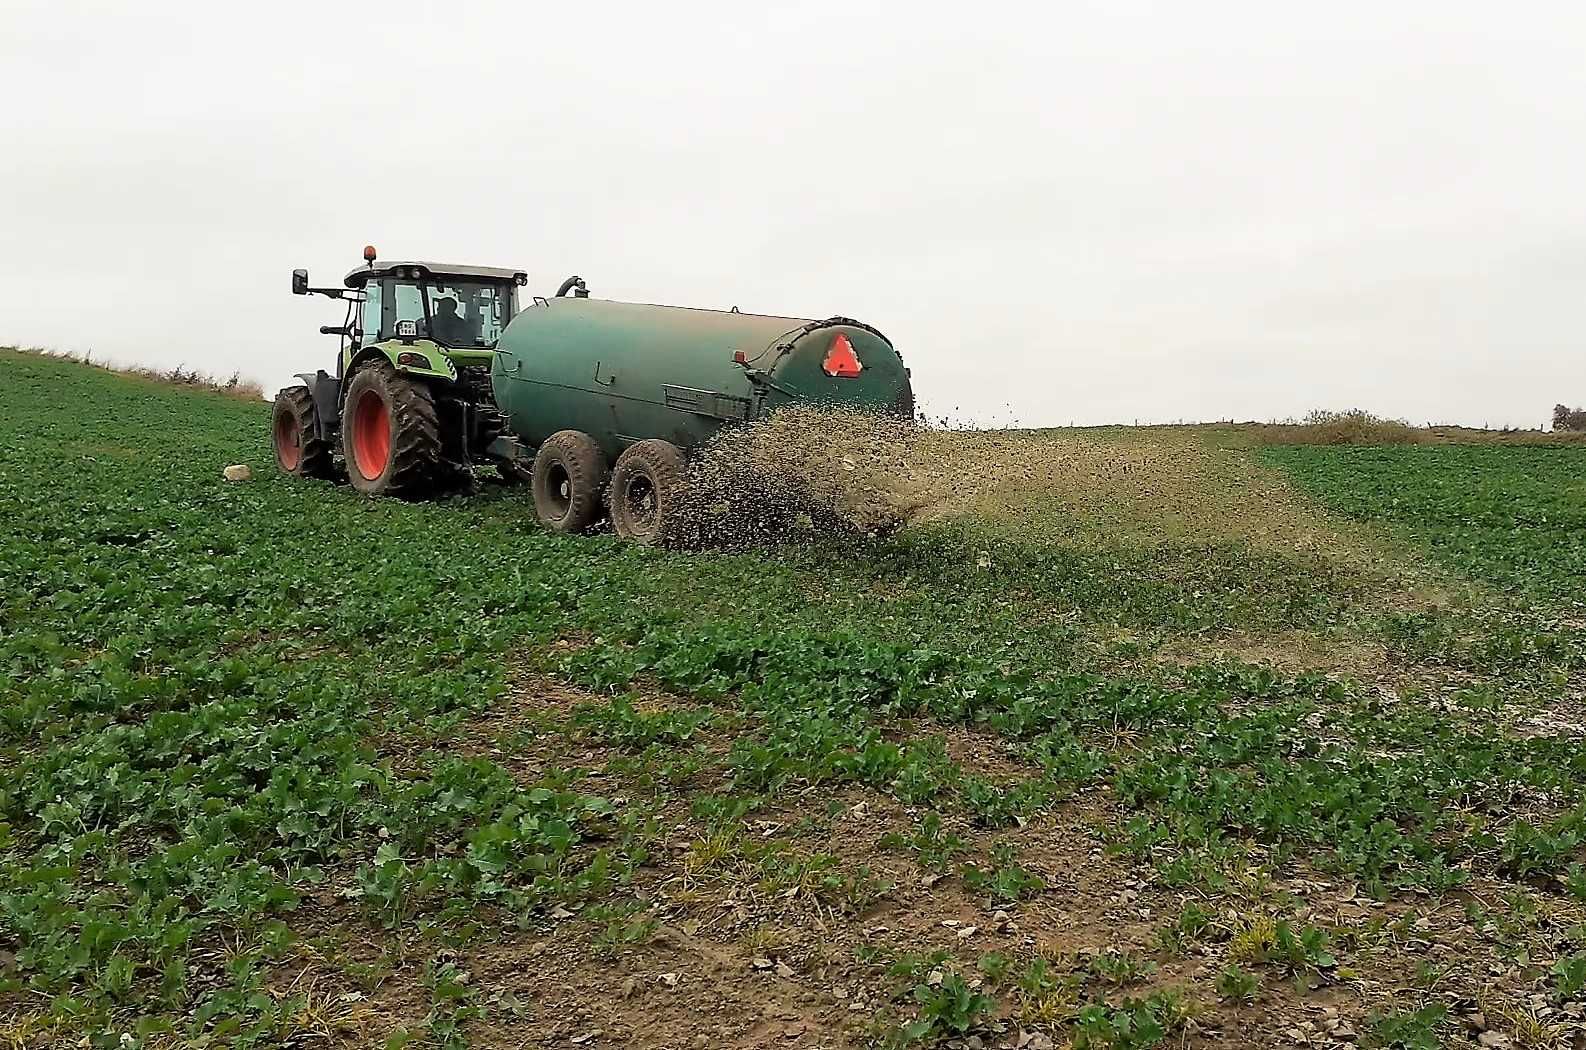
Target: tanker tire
[
  {"x": 569, "y": 473},
  {"x": 644, "y": 490},
  {"x": 390, "y": 434},
  {"x": 294, "y": 433}
]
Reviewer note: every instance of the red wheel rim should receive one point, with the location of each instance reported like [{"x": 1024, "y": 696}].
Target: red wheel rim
[
  {"x": 371, "y": 435},
  {"x": 288, "y": 451}
]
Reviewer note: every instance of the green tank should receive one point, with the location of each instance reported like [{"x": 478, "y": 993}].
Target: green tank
[{"x": 625, "y": 372}]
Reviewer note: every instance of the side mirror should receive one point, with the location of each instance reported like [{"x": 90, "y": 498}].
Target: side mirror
[{"x": 299, "y": 282}]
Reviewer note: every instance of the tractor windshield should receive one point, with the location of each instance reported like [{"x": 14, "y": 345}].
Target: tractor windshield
[{"x": 466, "y": 313}]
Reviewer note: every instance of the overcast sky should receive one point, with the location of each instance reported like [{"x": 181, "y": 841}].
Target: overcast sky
[{"x": 1059, "y": 212}]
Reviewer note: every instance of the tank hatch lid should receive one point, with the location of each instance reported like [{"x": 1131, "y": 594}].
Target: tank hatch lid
[{"x": 359, "y": 277}]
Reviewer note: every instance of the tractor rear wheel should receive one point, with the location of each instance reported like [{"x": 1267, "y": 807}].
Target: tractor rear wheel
[
  {"x": 390, "y": 433},
  {"x": 294, "y": 431},
  {"x": 569, "y": 473},
  {"x": 644, "y": 490}
]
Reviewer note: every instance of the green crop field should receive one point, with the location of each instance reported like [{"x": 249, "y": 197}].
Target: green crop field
[{"x": 1162, "y": 743}]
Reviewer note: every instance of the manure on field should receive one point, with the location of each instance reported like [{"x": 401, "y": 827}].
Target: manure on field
[{"x": 817, "y": 473}]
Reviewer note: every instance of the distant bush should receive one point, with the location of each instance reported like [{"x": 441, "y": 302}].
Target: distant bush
[
  {"x": 1354, "y": 427},
  {"x": 1567, "y": 418},
  {"x": 233, "y": 385}
]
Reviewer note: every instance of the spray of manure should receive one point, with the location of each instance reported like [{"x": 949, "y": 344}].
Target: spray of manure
[
  {"x": 798, "y": 475},
  {"x": 808, "y": 474}
]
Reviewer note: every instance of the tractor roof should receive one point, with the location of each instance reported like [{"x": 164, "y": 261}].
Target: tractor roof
[{"x": 359, "y": 277}]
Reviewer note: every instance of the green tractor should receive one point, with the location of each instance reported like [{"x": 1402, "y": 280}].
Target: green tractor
[
  {"x": 596, "y": 403},
  {"x": 409, "y": 407}
]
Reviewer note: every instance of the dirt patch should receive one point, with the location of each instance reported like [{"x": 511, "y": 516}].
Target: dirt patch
[
  {"x": 356, "y": 983},
  {"x": 1290, "y": 651},
  {"x": 676, "y": 991}
]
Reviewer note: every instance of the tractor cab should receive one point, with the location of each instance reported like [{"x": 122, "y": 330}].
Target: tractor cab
[
  {"x": 425, "y": 317},
  {"x": 462, "y": 308}
]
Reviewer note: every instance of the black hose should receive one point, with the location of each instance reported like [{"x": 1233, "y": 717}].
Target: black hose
[{"x": 573, "y": 283}]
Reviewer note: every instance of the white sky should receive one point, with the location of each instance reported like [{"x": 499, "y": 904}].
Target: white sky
[{"x": 1059, "y": 212}]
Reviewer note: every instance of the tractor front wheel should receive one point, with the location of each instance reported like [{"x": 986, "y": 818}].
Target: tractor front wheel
[
  {"x": 644, "y": 488},
  {"x": 294, "y": 431},
  {"x": 390, "y": 433}
]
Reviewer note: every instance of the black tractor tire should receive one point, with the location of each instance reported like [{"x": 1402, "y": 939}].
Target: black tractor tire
[
  {"x": 390, "y": 433},
  {"x": 568, "y": 477},
  {"x": 644, "y": 490},
  {"x": 294, "y": 432}
]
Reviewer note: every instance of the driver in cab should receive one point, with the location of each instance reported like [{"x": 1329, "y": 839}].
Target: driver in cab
[{"x": 449, "y": 327}]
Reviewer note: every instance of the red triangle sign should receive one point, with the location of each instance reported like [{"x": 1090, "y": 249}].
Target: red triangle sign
[{"x": 841, "y": 361}]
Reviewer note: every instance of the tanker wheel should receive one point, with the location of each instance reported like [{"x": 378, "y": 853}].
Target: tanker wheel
[
  {"x": 644, "y": 490},
  {"x": 299, "y": 450},
  {"x": 390, "y": 433},
  {"x": 569, "y": 472}
]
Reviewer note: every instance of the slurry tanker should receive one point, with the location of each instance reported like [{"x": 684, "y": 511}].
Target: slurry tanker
[{"x": 596, "y": 403}]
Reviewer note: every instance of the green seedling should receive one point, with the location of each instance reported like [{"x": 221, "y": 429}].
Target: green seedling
[
  {"x": 1004, "y": 879},
  {"x": 1237, "y": 986},
  {"x": 932, "y": 844}
]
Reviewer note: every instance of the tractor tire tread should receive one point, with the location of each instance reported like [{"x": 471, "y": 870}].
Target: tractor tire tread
[
  {"x": 416, "y": 432},
  {"x": 314, "y": 456},
  {"x": 416, "y": 452}
]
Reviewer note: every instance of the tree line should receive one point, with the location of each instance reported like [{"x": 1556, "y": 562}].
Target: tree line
[{"x": 1567, "y": 418}]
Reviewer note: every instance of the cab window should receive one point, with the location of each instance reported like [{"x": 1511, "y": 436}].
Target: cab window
[
  {"x": 369, "y": 318},
  {"x": 410, "y": 307},
  {"x": 468, "y": 313}
]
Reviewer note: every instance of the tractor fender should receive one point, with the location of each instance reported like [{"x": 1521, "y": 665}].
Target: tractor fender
[
  {"x": 417, "y": 357},
  {"x": 325, "y": 391}
]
